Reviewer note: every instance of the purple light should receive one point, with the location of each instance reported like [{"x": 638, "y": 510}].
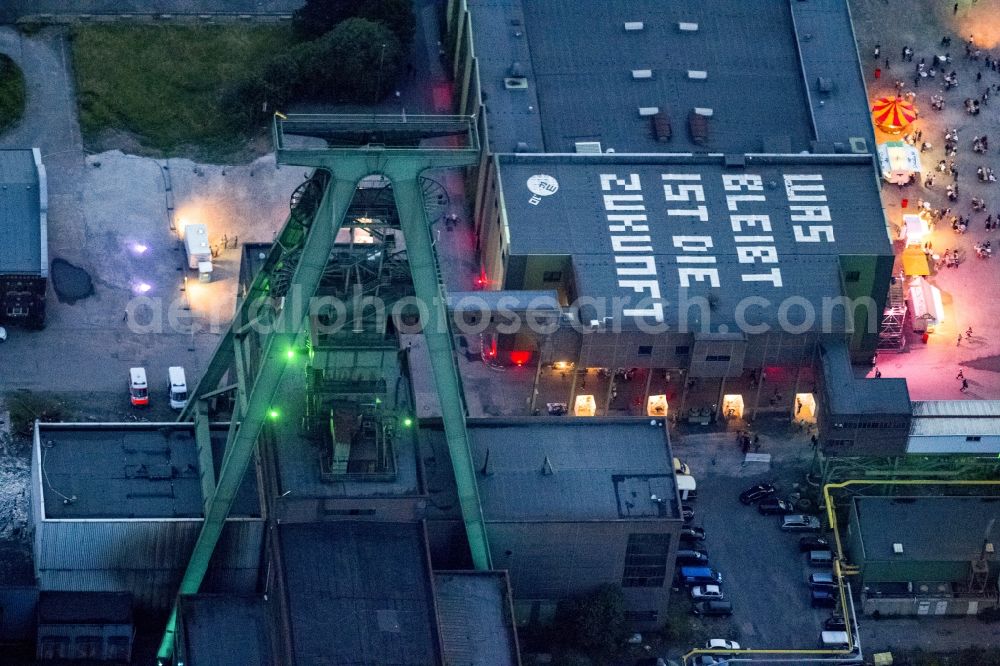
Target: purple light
[
  {"x": 141, "y": 288},
  {"x": 139, "y": 248}
]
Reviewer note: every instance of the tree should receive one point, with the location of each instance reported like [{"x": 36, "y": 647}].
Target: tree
[
  {"x": 358, "y": 61},
  {"x": 317, "y": 17},
  {"x": 594, "y": 622}
]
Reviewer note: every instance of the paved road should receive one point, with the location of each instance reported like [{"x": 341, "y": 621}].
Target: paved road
[
  {"x": 11, "y": 10},
  {"x": 763, "y": 573}
]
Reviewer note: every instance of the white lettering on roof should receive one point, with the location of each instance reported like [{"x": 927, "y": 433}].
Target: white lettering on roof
[
  {"x": 632, "y": 247},
  {"x": 751, "y": 249},
  {"x": 809, "y": 188}
]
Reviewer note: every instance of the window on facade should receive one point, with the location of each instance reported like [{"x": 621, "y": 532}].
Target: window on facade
[
  {"x": 682, "y": 350},
  {"x": 552, "y": 276},
  {"x": 88, "y": 647},
  {"x": 646, "y": 560},
  {"x": 54, "y": 647},
  {"x": 973, "y": 438},
  {"x": 852, "y": 276},
  {"x": 717, "y": 358},
  {"x": 645, "y": 350},
  {"x": 118, "y": 649}
]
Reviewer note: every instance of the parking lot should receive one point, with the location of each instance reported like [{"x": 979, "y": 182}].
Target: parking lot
[{"x": 764, "y": 575}]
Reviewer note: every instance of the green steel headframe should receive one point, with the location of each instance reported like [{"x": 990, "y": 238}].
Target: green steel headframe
[{"x": 343, "y": 150}]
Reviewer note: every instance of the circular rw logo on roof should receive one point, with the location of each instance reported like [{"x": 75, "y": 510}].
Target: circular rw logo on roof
[{"x": 541, "y": 185}]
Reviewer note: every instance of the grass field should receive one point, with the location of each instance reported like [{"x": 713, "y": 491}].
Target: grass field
[
  {"x": 163, "y": 84},
  {"x": 11, "y": 93}
]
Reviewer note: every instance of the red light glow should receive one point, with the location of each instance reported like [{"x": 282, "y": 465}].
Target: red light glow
[{"x": 520, "y": 357}]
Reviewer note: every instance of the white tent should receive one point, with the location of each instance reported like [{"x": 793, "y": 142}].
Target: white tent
[{"x": 898, "y": 161}]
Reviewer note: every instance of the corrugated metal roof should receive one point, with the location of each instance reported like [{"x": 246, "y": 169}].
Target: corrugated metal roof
[
  {"x": 959, "y": 408},
  {"x": 475, "y": 618},
  {"x": 20, "y": 214},
  {"x": 968, "y": 426},
  {"x": 359, "y": 593}
]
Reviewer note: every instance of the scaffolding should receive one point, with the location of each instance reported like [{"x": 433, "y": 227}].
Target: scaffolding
[{"x": 892, "y": 335}]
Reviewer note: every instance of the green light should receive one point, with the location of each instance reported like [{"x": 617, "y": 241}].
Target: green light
[
  {"x": 273, "y": 414},
  {"x": 290, "y": 353},
  {"x": 407, "y": 422}
]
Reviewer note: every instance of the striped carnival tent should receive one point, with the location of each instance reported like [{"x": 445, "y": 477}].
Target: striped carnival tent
[{"x": 893, "y": 115}]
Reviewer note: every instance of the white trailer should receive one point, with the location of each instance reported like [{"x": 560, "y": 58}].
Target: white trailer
[{"x": 199, "y": 252}]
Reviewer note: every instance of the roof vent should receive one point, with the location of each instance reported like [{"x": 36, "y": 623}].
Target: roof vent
[
  {"x": 516, "y": 70},
  {"x": 547, "y": 467},
  {"x": 521, "y": 147},
  {"x": 686, "y": 26},
  {"x": 642, "y": 73},
  {"x": 989, "y": 548},
  {"x": 897, "y": 548},
  {"x": 824, "y": 84},
  {"x": 858, "y": 144},
  {"x": 703, "y": 111},
  {"x": 648, "y": 110},
  {"x": 588, "y": 147},
  {"x": 515, "y": 83},
  {"x": 697, "y": 74},
  {"x": 632, "y": 26}
]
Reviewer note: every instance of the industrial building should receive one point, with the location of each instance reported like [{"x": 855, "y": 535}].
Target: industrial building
[
  {"x": 24, "y": 253},
  {"x": 118, "y": 507},
  {"x": 706, "y": 240},
  {"x": 925, "y": 555},
  {"x": 572, "y": 505}
]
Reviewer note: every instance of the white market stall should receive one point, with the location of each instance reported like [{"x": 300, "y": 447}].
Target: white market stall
[
  {"x": 928, "y": 308},
  {"x": 898, "y": 161}
]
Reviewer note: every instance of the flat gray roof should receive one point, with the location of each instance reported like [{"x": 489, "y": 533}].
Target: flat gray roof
[
  {"x": 20, "y": 215},
  {"x": 849, "y": 395},
  {"x": 359, "y": 594},
  {"x": 224, "y": 630},
  {"x": 761, "y": 64},
  {"x": 790, "y": 260},
  {"x": 129, "y": 471},
  {"x": 573, "y": 469},
  {"x": 476, "y": 618},
  {"x": 931, "y": 529}
]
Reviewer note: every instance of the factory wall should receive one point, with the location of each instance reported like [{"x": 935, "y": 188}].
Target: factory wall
[
  {"x": 144, "y": 557},
  {"x": 549, "y": 561}
]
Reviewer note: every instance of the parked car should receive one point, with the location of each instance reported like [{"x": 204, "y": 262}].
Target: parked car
[
  {"x": 707, "y": 592},
  {"x": 708, "y": 660},
  {"x": 692, "y": 557},
  {"x": 699, "y": 576},
  {"x": 756, "y": 493},
  {"x": 822, "y": 580},
  {"x": 823, "y": 597},
  {"x": 800, "y": 523},
  {"x": 722, "y": 644},
  {"x": 808, "y": 543},
  {"x": 687, "y": 513},
  {"x": 821, "y": 558},
  {"x": 689, "y": 534},
  {"x": 772, "y": 506},
  {"x": 712, "y": 608}
]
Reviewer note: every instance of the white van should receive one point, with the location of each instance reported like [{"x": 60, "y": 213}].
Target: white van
[
  {"x": 177, "y": 387},
  {"x": 687, "y": 486},
  {"x": 835, "y": 640},
  {"x": 138, "y": 390}
]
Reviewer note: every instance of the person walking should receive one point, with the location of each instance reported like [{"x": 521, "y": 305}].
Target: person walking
[
  {"x": 961, "y": 374},
  {"x": 877, "y": 51},
  {"x": 959, "y": 343},
  {"x": 965, "y": 386},
  {"x": 968, "y": 333}
]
